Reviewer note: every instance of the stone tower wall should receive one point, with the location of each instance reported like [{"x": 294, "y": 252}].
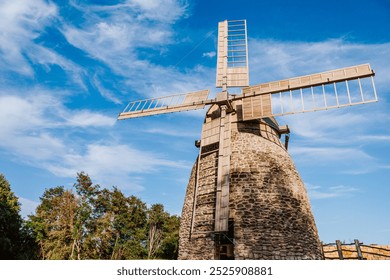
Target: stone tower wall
[
  {"x": 269, "y": 210},
  {"x": 269, "y": 203}
]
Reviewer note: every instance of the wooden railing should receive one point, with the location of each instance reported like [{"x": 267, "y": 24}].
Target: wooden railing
[{"x": 355, "y": 251}]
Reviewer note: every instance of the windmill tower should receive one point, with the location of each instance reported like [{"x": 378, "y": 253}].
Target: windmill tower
[{"x": 245, "y": 198}]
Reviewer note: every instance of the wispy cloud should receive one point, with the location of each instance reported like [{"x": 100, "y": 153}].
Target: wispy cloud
[
  {"x": 113, "y": 164},
  {"x": 318, "y": 192},
  {"x": 374, "y": 138},
  {"x": 35, "y": 129},
  {"x": 42, "y": 110},
  {"x": 115, "y": 35},
  {"x": 209, "y": 54},
  {"x": 37, "y": 126},
  {"x": 331, "y": 137},
  {"x": 172, "y": 132},
  {"x": 20, "y": 23},
  {"x": 106, "y": 93},
  {"x": 329, "y": 154},
  {"x": 280, "y": 59},
  {"x": 28, "y": 206}
]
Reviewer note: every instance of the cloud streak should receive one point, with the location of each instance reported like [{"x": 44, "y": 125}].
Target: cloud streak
[
  {"x": 279, "y": 59},
  {"x": 318, "y": 192},
  {"x": 20, "y": 23},
  {"x": 113, "y": 164},
  {"x": 341, "y": 136}
]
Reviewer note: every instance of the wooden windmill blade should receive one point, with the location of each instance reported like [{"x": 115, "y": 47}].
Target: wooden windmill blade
[
  {"x": 232, "y": 60},
  {"x": 322, "y": 91},
  {"x": 166, "y": 104},
  {"x": 232, "y": 71}
]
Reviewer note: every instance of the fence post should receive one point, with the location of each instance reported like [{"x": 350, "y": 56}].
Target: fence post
[
  {"x": 358, "y": 249},
  {"x": 339, "y": 249}
]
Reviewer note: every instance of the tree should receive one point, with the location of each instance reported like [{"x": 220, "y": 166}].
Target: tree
[
  {"x": 94, "y": 223},
  {"x": 170, "y": 245},
  {"x": 86, "y": 216},
  {"x": 10, "y": 221},
  {"x": 53, "y": 224},
  {"x": 16, "y": 241},
  {"x": 122, "y": 225},
  {"x": 163, "y": 234}
]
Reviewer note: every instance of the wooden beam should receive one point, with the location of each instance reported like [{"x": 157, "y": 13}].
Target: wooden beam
[
  {"x": 343, "y": 74},
  {"x": 167, "y": 104}
]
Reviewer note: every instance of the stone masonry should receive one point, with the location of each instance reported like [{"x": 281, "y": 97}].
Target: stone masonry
[{"x": 269, "y": 212}]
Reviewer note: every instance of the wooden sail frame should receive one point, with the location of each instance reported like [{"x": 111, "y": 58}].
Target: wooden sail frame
[
  {"x": 232, "y": 59},
  {"x": 266, "y": 100},
  {"x": 166, "y": 104}
]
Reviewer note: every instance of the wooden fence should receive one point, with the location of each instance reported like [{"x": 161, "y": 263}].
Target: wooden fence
[{"x": 355, "y": 251}]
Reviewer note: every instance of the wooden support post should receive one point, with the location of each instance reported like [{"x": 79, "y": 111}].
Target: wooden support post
[
  {"x": 222, "y": 190},
  {"x": 339, "y": 249},
  {"x": 358, "y": 249}
]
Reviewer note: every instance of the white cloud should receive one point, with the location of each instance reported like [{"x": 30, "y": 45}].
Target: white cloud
[
  {"x": 161, "y": 10},
  {"x": 39, "y": 131},
  {"x": 374, "y": 138},
  {"x": 326, "y": 154},
  {"x": 47, "y": 58},
  {"x": 20, "y": 23},
  {"x": 334, "y": 139},
  {"x": 32, "y": 127},
  {"x": 109, "y": 95},
  {"x": 318, "y": 192},
  {"x": 37, "y": 128},
  {"x": 113, "y": 164},
  {"x": 86, "y": 118},
  {"x": 114, "y": 35},
  {"x": 114, "y": 32},
  {"x": 171, "y": 132},
  {"x": 209, "y": 54},
  {"x": 41, "y": 110},
  {"x": 273, "y": 60},
  {"x": 27, "y": 206},
  {"x": 328, "y": 125}
]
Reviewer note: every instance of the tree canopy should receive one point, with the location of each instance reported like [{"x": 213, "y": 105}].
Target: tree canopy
[
  {"x": 87, "y": 222},
  {"x": 15, "y": 238}
]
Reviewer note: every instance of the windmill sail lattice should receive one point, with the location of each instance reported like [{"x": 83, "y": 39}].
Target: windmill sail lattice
[
  {"x": 164, "y": 105},
  {"x": 232, "y": 61},
  {"x": 310, "y": 93}
]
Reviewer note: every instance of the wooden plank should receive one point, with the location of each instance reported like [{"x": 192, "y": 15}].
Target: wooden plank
[
  {"x": 263, "y": 101},
  {"x": 348, "y": 73},
  {"x": 232, "y": 64},
  {"x": 167, "y": 104},
  {"x": 210, "y": 132},
  {"x": 222, "y": 52},
  {"x": 256, "y": 107},
  {"x": 222, "y": 194}
]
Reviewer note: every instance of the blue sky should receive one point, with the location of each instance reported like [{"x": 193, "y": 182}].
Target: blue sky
[{"x": 68, "y": 68}]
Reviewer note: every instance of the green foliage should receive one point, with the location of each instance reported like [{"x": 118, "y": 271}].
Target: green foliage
[
  {"x": 54, "y": 222},
  {"x": 163, "y": 234},
  {"x": 15, "y": 238},
  {"x": 95, "y": 223}
]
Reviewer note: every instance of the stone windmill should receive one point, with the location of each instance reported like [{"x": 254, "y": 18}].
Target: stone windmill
[{"x": 245, "y": 198}]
